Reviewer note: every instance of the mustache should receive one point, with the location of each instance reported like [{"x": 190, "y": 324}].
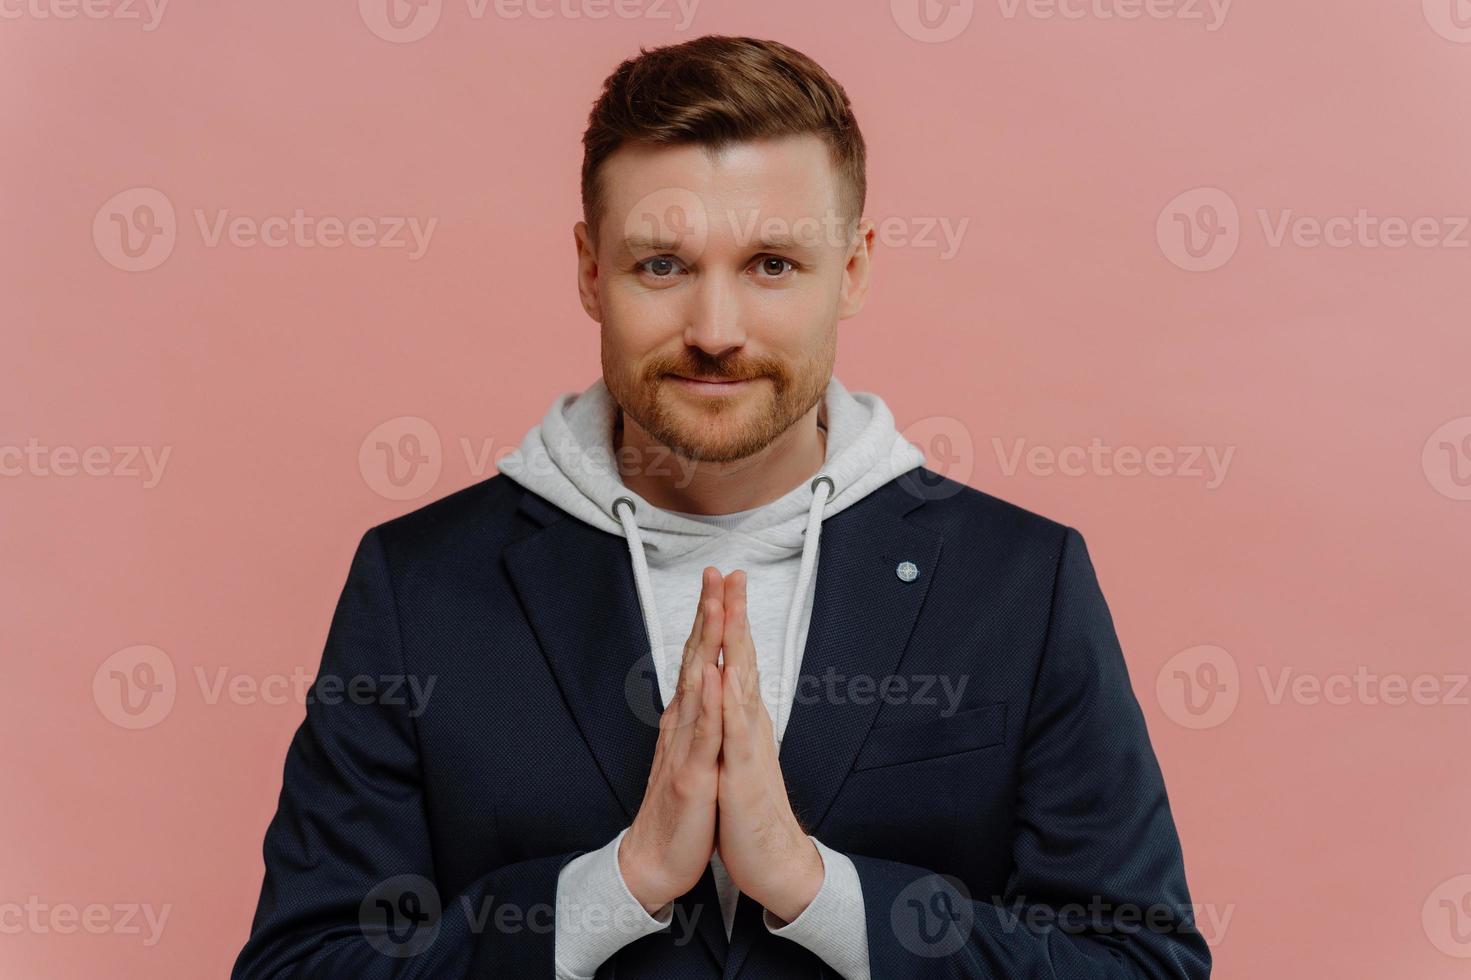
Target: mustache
[{"x": 723, "y": 370}]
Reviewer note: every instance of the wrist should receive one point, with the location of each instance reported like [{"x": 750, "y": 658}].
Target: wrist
[
  {"x": 794, "y": 891},
  {"x": 640, "y": 883}
]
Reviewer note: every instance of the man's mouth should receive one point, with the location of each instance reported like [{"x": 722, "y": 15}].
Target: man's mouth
[{"x": 711, "y": 386}]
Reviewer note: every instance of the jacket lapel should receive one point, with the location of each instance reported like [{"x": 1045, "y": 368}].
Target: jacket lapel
[
  {"x": 862, "y": 616},
  {"x": 576, "y": 585}
]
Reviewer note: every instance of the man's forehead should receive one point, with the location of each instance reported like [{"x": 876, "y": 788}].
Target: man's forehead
[{"x": 754, "y": 191}]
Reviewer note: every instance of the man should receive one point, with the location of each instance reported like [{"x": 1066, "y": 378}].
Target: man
[{"x": 724, "y": 681}]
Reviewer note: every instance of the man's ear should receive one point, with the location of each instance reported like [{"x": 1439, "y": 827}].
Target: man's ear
[
  {"x": 587, "y": 271},
  {"x": 856, "y": 272}
]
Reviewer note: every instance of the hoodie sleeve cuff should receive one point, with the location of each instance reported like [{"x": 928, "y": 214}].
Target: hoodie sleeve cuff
[
  {"x": 832, "y": 926},
  {"x": 596, "y": 914}
]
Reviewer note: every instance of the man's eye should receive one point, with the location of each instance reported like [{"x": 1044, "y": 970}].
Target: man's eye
[
  {"x": 660, "y": 266},
  {"x": 772, "y": 267}
]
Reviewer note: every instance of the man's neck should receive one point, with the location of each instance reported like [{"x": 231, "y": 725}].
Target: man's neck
[{"x": 671, "y": 482}]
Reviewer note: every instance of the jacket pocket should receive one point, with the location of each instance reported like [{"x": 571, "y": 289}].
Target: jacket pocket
[{"x": 934, "y": 738}]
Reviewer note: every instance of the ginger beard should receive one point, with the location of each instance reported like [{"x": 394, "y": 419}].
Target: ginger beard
[{"x": 719, "y": 428}]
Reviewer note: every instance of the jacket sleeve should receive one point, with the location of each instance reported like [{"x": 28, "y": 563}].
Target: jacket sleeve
[
  {"x": 350, "y": 887},
  {"x": 1097, "y": 887}
]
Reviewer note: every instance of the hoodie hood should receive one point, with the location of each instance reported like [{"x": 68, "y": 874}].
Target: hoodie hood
[{"x": 568, "y": 460}]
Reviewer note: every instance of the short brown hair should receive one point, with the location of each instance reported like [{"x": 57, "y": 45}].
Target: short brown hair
[{"x": 715, "y": 90}]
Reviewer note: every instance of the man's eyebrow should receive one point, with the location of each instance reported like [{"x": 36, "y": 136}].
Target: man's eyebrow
[
  {"x": 783, "y": 243},
  {"x": 770, "y": 243},
  {"x": 643, "y": 242}
]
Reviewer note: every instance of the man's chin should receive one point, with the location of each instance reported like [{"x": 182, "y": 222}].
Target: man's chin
[
  {"x": 707, "y": 446},
  {"x": 724, "y": 438}
]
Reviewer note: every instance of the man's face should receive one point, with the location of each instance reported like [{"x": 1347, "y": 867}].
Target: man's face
[{"x": 719, "y": 279}]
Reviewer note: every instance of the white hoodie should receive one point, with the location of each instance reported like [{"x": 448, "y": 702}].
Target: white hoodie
[{"x": 568, "y": 460}]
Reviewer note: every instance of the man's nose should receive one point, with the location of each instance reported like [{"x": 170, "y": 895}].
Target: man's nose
[{"x": 714, "y": 317}]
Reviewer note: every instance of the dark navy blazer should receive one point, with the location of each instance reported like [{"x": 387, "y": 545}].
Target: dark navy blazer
[{"x": 1021, "y": 833}]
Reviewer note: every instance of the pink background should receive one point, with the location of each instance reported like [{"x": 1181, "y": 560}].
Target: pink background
[{"x": 1319, "y": 837}]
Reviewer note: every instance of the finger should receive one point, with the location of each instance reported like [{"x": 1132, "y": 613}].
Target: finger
[
  {"x": 706, "y": 648},
  {"x": 708, "y": 728},
  {"x": 734, "y": 721},
  {"x": 693, "y": 642},
  {"x": 698, "y": 627},
  {"x": 689, "y": 697},
  {"x": 712, "y": 624},
  {"x": 740, "y": 649},
  {"x": 704, "y": 641}
]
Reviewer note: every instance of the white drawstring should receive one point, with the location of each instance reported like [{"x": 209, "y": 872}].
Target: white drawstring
[
  {"x": 804, "y": 576},
  {"x": 645, "y": 589}
]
